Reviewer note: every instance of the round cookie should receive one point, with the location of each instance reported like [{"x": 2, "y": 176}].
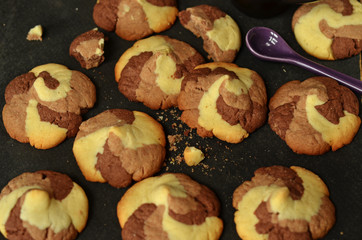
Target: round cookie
[
  {"x": 119, "y": 145},
  {"x": 283, "y": 203},
  {"x": 151, "y": 70},
  {"x": 170, "y": 206},
  {"x": 42, "y": 205},
  {"x": 329, "y": 29},
  {"x": 135, "y": 19},
  {"x": 315, "y": 115},
  {"x": 223, "y": 100},
  {"x": 87, "y": 49},
  {"x": 220, "y": 33},
  {"x": 44, "y": 106}
]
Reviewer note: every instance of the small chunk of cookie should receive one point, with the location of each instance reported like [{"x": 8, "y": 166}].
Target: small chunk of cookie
[
  {"x": 170, "y": 206},
  {"x": 88, "y": 49},
  {"x": 35, "y": 33},
  {"x": 220, "y": 33},
  {"x": 44, "y": 106},
  {"x": 135, "y": 19},
  {"x": 42, "y": 205},
  {"x": 193, "y": 156},
  {"x": 118, "y": 146},
  {"x": 283, "y": 203},
  {"x": 315, "y": 115},
  {"x": 223, "y": 100},
  {"x": 151, "y": 71},
  {"x": 329, "y": 29}
]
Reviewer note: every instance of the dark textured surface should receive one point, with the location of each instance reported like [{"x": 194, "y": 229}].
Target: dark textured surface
[{"x": 226, "y": 165}]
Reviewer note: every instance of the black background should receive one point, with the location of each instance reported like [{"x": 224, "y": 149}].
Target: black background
[{"x": 226, "y": 165}]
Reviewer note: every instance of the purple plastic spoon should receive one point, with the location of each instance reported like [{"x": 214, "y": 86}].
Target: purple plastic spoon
[{"x": 267, "y": 44}]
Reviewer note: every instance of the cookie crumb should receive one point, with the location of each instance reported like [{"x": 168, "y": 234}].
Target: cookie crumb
[
  {"x": 35, "y": 33},
  {"x": 193, "y": 156},
  {"x": 173, "y": 140},
  {"x": 178, "y": 159}
]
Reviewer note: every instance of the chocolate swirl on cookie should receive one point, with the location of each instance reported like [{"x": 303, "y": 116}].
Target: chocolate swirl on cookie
[
  {"x": 44, "y": 106},
  {"x": 329, "y": 29},
  {"x": 315, "y": 115},
  {"x": 283, "y": 203},
  {"x": 171, "y": 206},
  {"x": 118, "y": 146},
  {"x": 42, "y": 205},
  {"x": 151, "y": 71},
  {"x": 223, "y": 100}
]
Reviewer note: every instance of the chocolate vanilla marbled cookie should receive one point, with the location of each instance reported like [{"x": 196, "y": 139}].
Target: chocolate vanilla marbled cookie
[
  {"x": 135, "y": 19},
  {"x": 42, "y": 205},
  {"x": 283, "y": 203},
  {"x": 220, "y": 33},
  {"x": 151, "y": 71},
  {"x": 315, "y": 115},
  {"x": 329, "y": 29},
  {"x": 223, "y": 100},
  {"x": 88, "y": 49},
  {"x": 170, "y": 206},
  {"x": 118, "y": 146},
  {"x": 44, "y": 106}
]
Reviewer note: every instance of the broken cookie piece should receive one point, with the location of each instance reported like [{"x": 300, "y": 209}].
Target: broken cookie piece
[
  {"x": 220, "y": 33},
  {"x": 35, "y": 33},
  {"x": 193, "y": 156},
  {"x": 170, "y": 206},
  {"x": 283, "y": 203},
  {"x": 88, "y": 49},
  {"x": 135, "y": 19}
]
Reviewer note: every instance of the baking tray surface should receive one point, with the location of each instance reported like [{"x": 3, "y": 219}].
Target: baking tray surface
[{"x": 226, "y": 165}]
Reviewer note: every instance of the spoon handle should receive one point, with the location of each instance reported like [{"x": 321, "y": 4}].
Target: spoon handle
[{"x": 353, "y": 83}]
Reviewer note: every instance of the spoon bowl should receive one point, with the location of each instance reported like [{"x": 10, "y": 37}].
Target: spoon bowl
[{"x": 267, "y": 44}]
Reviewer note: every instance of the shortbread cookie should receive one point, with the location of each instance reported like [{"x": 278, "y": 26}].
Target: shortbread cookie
[
  {"x": 88, "y": 49},
  {"x": 170, "y": 206},
  {"x": 223, "y": 100},
  {"x": 329, "y": 29},
  {"x": 44, "y": 106},
  {"x": 315, "y": 115},
  {"x": 135, "y": 19},
  {"x": 119, "y": 145},
  {"x": 42, "y": 205},
  {"x": 151, "y": 70},
  {"x": 283, "y": 203},
  {"x": 220, "y": 33}
]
